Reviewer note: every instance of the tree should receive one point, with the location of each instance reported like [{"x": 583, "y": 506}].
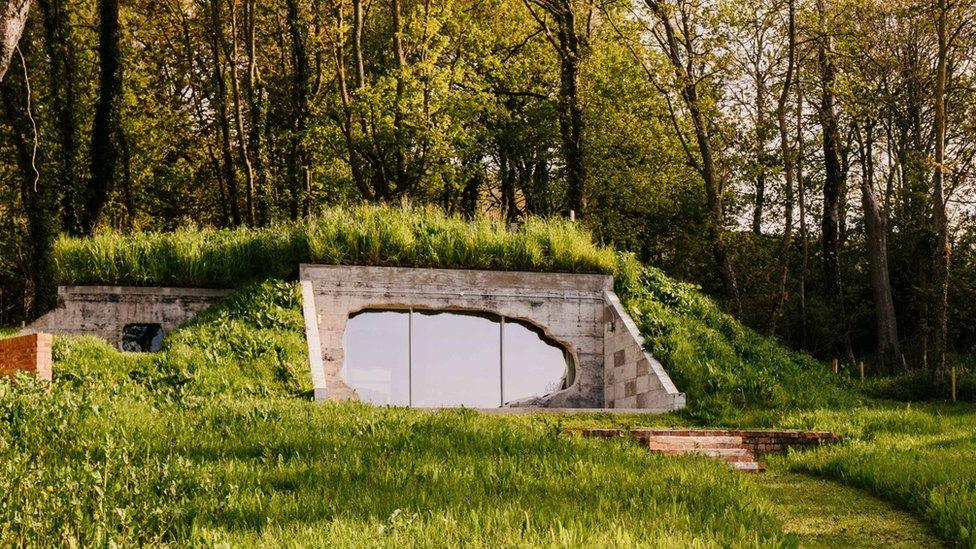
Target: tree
[
  {"x": 834, "y": 179},
  {"x": 63, "y": 69},
  {"x": 943, "y": 250},
  {"x": 13, "y": 18},
  {"x": 569, "y": 46},
  {"x": 105, "y": 146},
  {"x": 688, "y": 58}
]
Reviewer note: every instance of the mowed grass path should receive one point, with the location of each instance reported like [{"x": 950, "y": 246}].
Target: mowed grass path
[{"x": 824, "y": 513}]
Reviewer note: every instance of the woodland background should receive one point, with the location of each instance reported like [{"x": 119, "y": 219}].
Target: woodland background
[{"x": 807, "y": 162}]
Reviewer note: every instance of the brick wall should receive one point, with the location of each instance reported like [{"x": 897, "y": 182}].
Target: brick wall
[
  {"x": 29, "y": 353},
  {"x": 633, "y": 378}
]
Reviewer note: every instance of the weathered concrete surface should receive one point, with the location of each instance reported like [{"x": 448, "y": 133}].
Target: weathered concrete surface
[
  {"x": 571, "y": 309},
  {"x": 633, "y": 378},
  {"x": 104, "y": 310},
  {"x": 27, "y": 353}
]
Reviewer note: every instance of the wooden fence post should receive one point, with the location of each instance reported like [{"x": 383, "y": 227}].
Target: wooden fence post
[
  {"x": 860, "y": 366},
  {"x": 953, "y": 383}
]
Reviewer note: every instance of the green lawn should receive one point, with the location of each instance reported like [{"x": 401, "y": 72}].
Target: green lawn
[
  {"x": 920, "y": 457},
  {"x": 825, "y": 513}
]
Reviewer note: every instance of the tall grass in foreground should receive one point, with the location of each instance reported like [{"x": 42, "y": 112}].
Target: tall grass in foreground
[
  {"x": 920, "y": 457},
  {"x": 363, "y": 235},
  {"x": 86, "y": 466}
]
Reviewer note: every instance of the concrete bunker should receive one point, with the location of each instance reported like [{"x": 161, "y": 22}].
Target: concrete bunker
[
  {"x": 134, "y": 319},
  {"x": 580, "y": 312}
]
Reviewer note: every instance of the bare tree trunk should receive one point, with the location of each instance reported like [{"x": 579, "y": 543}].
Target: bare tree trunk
[
  {"x": 570, "y": 48},
  {"x": 299, "y": 172},
  {"x": 789, "y": 162},
  {"x": 875, "y": 223},
  {"x": 347, "y": 115},
  {"x": 63, "y": 71},
  {"x": 688, "y": 80},
  {"x": 833, "y": 184},
  {"x": 223, "y": 119},
  {"x": 242, "y": 148},
  {"x": 402, "y": 182},
  {"x": 13, "y": 18},
  {"x": 256, "y": 108},
  {"x": 804, "y": 234},
  {"x": 760, "y": 198},
  {"x": 940, "y": 217},
  {"x": 36, "y": 198},
  {"x": 105, "y": 132}
]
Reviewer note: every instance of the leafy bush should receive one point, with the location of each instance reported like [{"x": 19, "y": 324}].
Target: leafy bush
[{"x": 915, "y": 385}]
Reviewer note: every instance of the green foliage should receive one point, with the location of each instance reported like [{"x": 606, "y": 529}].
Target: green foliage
[
  {"x": 249, "y": 344},
  {"x": 69, "y": 473},
  {"x": 915, "y": 385},
  {"x": 722, "y": 366},
  {"x": 917, "y": 457},
  {"x": 363, "y": 235}
]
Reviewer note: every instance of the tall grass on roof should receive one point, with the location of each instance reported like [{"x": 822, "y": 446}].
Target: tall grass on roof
[{"x": 362, "y": 235}]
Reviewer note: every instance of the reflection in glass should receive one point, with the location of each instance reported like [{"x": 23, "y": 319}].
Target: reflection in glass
[
  {"x": 455, "y": 360},
  {"x": 531, "y": 365},
  {"x": 443, "y": 359},
  {"x": 377, "y": 363}
]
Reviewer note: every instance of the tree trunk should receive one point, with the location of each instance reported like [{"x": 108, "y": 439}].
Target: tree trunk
[
  {"x": 63, "y": 71},
  {"x": 400, "y": 56},
  {"x": 688, "y": 79},
  {"x": 256, "y": 108},
  {"x": 355, "y": 166},
  {"x": 571, "y": 116},
  {"x": 13, "y": 18},
  {"x": 833, "y": 186},
  {"x": 242, "y": 144},
  {"x": 35, "y": 197},
  {"x": 788, "y": 172},
  {"x": 223, "y": 120},
  {"x": 940, "y": 218},
  {"x": 299, "y": 172},
  {"x": 106, "y": 128},
  {"x": 569, "y": 47},
  {"x": 875, "y": 223}
]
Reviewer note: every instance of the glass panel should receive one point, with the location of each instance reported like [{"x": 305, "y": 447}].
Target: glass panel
[
  {"x": 377, "y": 357},
  {"x": 456, "y": 360},
  {"x": 533, "y": 366},
  {"x": 142, "y": 338}
]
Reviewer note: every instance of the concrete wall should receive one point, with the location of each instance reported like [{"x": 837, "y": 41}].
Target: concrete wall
[
  {"x": 571, "y": 309},
  {"x": 28, "y": 353},
  {"x": 103, "y": 310},
  {"x": 633, "y": 378}
]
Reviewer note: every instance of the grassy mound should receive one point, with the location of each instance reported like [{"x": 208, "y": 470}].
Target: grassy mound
[
  {"x": 724, "y": 367},
  {"x": 365, "y": 235},
  {"x": 251, "y": 343}
]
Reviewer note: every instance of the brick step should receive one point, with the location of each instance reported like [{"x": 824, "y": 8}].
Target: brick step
[
  {"x": 710, "y": 452},
  {"x": 738, "y": 448},
  {"x": 748, "y": 466},
  {"x": 710, "y": 441},
  {"x": 691, "y": 444}
]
